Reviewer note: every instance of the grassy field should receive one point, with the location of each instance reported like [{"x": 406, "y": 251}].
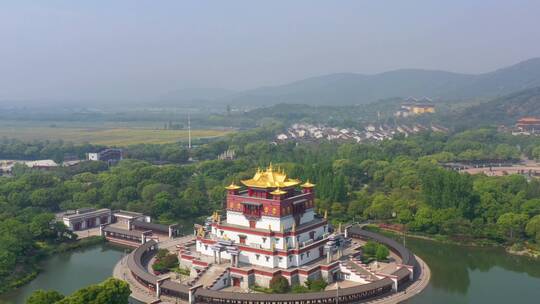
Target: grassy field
[{"x": 106, "y": 134}]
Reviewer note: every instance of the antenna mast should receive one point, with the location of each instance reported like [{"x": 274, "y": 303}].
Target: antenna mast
[{"x": 189, "y": 130}]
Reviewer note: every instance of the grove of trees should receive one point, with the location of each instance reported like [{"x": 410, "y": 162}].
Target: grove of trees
[{"x": 397, "y": 180}]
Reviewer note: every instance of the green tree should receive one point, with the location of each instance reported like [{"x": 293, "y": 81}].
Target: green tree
[
  {"x": 111, "y": 291},
  {"x": 512, "y": 224},
  {"x": 41, "y": 226},
  {"x": 533, "y": 228},
  {"x": 44, "y": 297}
]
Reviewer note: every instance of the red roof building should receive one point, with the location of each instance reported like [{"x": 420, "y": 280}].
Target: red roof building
[{"x": 528, "y": 124}]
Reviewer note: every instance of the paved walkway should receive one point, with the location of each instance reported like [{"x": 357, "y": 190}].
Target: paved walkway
[{"x": 138, "y": 291}]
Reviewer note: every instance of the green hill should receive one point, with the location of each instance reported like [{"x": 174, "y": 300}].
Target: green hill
[{"x": 503, "y": 110}]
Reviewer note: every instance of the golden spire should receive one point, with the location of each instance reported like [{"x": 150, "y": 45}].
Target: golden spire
[
  {"x": 307, "y": 184},
  {"x": 232, "y": 186},
  {"x": 278, "y": 192},
  {"x": 273, "y": 246},
  {"x": 285, "y": 246},
  {"x": 325, "y": 214}
]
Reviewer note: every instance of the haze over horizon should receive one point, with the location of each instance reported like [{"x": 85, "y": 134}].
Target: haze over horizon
[{"x": 134, "y": 50}]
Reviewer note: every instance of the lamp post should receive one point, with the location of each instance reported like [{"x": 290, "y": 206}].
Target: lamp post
[{"x": 403, "y": 230}]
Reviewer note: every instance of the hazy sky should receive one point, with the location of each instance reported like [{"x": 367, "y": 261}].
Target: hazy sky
[{"x": 123, "y": 50}]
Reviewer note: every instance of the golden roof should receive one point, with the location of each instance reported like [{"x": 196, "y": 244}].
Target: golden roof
[
  {"x": 307, "y": 184},
  {"x": 270, "y": 178},
  {"x": 232, "y": 186},
  {"x": 278, "y": 192}
]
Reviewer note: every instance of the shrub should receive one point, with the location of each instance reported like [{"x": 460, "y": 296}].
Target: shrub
[
  {"x": 299, "y": 289},
  {"x": 370, "y": 248},
  {"x": 166, "y": 263},
  {"x": 162, "y": 253},
  {"x": 316, "y": 285},
  {"x": 382, "y": 252},
  {"x": 183, "y": 271},
  {"x": 279, "y": 284},
  {"x": 373, "y": 250}
]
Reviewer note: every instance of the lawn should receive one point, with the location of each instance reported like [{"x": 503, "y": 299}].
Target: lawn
[{"x": 104, "y": 135}]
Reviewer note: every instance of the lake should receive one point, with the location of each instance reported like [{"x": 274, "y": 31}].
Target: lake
[
  {"x": 476, "y": 275},
  {"x": 459, "y": 274},
  {"x": 70, "y": 271}
]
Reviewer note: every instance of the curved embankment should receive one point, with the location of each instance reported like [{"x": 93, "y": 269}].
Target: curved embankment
[{"x": 398, "y": 280}]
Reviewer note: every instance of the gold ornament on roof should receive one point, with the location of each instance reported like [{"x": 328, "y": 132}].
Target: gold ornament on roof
[
  {"x": 307, "y": 184},
  {"x": 232, "y": 186},
  {"x": 200, "y": 232},
  {"x": 278, "y": 192},
  {"x": 270, "y": 178},
  {"x": 325, "y": 214}
]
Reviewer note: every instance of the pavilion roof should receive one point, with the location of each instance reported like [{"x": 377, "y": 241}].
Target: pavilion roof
[{"x": 270, "y": 178}]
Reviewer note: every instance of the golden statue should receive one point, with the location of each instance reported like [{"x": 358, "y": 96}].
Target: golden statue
[{"x": 200, "y": 232}]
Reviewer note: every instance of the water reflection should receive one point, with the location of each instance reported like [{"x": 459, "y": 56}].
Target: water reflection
[{"x": 452, "y": 265}]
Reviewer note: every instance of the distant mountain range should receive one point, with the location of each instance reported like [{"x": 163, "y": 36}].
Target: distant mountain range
[{"x": 351, "y": 88}]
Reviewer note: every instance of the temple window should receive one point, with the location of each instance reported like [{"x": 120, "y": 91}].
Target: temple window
[
  {"x": 264, "y": 240},
  {"x": 290, "y": 258},
  {"x": 267, "y": 258},
  {"x": 257, "y": 256}
]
